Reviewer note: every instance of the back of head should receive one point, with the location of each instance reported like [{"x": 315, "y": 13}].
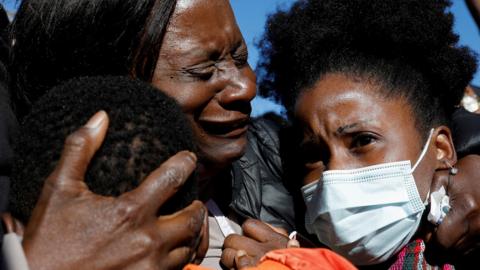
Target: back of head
[
  {"x": 146, "y": 128},
  {"x": 63, "y": 39}
]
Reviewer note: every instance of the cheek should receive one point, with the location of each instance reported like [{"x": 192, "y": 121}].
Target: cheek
[
  {"x": 424, "y": 175},
  {"x": 193, "y": 98},
  {"x": 313, "y": 173},
  {"x": 402, "y": 141}
]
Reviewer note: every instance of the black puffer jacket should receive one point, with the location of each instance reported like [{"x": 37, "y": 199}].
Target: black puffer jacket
[
  {"x": 466, "y": 132},
  {"x": 258, "y": 190},
  {"x": 8, "y": 123}
]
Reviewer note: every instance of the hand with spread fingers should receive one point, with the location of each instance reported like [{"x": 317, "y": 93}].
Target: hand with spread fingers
[
  {"x": 258, "y": 239},
  {"x": 73, "y": 228},
  {"x": 457, "y": 238}
]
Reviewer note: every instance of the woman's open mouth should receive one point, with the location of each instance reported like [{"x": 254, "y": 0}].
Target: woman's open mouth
[{"x": 226, "y": 129}]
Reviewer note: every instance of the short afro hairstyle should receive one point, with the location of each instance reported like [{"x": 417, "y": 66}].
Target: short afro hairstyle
[
  {"x": 146, "y": 128},
  {"x": 406, "y": 46}
]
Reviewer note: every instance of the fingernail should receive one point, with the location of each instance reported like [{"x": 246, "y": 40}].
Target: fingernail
[
  {"x": 192, "y": 258},
  {"x": 192, "y": 156},
  {"x": 241, "y": 253},
  {"x": 203, "y": 213},
  {"x": 293, "y": 244},
  {"x": 96, "y": 120}
]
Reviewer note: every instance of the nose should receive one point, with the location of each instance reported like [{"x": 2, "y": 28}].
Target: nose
[
  {"x": 239, "y": 88},
  {"x": 337, "y": 161},
  {"x": 333, "y": 164}
]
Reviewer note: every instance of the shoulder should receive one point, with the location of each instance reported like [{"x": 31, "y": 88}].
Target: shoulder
[
  {"x": 466, "y": 133},
  {"x": 262, "y": 161},
  {"x": 265, "y": 131}
]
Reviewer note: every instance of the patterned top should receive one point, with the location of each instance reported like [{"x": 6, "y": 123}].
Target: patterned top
[{"x": 411, "y": 258}]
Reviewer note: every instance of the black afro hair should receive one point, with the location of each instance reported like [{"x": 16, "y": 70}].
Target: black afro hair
[
  {"x": 146, "y": 128},
  {"x": 407, "y": 46},
  {"x": 59, "y": 40}
]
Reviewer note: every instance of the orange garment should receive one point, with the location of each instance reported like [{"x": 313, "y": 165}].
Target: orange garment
[
  {"x": 266, "y": 265},
  {"x": 298, "y": 259},
  {"x": 194, "y": 267}
]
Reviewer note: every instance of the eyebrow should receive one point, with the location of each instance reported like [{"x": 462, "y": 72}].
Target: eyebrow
[{"x": 344, "y": 129}]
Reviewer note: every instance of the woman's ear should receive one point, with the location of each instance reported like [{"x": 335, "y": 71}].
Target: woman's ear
[{"x": 445, "y": 150}]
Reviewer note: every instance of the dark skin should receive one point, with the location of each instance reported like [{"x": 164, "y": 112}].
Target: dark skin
[
  {"x": 349, "y": 124},
  {"x": 354, "y": 125},
  {"x": 258, "y": 238},
  {"x": 208, "y": 167},
  {"x": 107, "y": 232},
  {"x": 457, "y": 239},
  {"x": 203, "y": 66}
]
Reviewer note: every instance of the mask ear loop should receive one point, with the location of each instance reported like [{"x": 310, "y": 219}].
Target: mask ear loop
[{"x": 424, "y": 151}]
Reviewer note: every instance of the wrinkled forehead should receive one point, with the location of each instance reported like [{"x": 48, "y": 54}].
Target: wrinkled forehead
[{"x": 199, "y": 28}]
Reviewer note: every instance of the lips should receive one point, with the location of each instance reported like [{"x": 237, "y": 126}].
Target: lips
[{"x": 226, "y": 128}]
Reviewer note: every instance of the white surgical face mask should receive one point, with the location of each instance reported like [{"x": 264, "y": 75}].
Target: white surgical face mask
[{"x": 368, "y": 214}]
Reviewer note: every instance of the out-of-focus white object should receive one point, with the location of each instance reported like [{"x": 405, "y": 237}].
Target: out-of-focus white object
[
  {"x": 220, "y": 218},
  {"x": 439, "y": 206},
  {"x": 13, "y": 254},
  {"x": 470, "y": 103}
]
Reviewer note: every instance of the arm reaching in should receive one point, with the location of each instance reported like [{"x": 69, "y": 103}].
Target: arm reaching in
[{"x": 457, "y": 238}]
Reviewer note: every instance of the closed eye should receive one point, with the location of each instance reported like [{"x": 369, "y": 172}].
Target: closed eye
[
  {"x": 240, "y": 54},
  {"x": 201, "y": 72},
  {"x": 241, "y": 58}
]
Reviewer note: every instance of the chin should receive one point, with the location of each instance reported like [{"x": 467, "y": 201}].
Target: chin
[{"x": 220, "y": 153}]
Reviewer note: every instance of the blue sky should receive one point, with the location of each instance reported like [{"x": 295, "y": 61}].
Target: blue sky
[{"x": 251, "y": 16}]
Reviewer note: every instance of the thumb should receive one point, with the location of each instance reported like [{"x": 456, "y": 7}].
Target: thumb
[
  {"x": 440, "y": 178},
  {"x": 78, "y": 150},
  {"x": 243, "y": 261}
]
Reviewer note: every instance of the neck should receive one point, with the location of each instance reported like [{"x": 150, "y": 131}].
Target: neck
[{"x": 215, "y": 184}]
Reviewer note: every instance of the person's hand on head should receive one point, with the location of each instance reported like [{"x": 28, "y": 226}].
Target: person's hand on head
[
  {"x": 73, "y": 228},
  {"x": 458, "y": 237},
  {"x": 258, "y": 239}
]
